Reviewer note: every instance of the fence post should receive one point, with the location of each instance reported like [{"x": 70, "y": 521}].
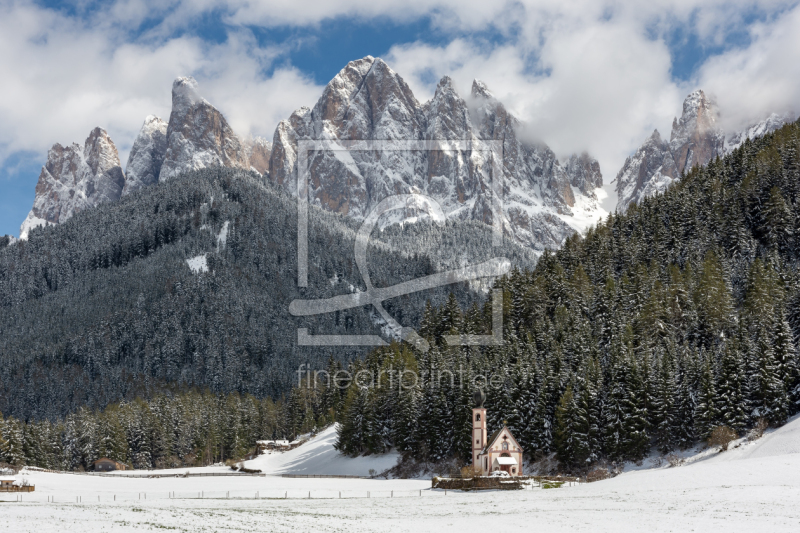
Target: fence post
[{"x": 286, "y": 495}]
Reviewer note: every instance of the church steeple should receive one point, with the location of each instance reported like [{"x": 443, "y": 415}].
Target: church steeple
[{"x": 478, "y": 428}]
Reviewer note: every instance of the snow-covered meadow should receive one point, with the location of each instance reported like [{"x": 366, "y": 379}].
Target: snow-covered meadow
[{"x": 754, "y": 487}]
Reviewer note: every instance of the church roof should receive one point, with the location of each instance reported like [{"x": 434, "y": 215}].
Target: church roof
[{"x": 495, "y": 436}]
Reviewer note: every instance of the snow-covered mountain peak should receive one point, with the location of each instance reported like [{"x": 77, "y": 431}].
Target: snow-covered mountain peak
[
  {"x": 696, "y": 139},
  {"x": 757, "y": 129},
  {"x": 75, "y": 178},
  {"x": 655, "y": 137},
  {"x": 367, "y": 100},
  {"x": 198, "y": 135},
  {"x": 185, "y": 93},
  {"x": 147, "y": 155},
  {"x": 479, "y": 89}
]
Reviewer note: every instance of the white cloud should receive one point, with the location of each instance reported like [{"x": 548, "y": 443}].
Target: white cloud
[
  {"x": 585, "y": 75},
  {"x": 764, "y": 77},
  {"x": 63, "y": 77}
]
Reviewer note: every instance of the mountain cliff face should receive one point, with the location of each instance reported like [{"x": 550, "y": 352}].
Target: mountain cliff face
[
  {"x": 695, "y": 140},
  {"x": 649, "y": 171},
  {"x": 369, "y": 101},
  {"x": 198, "y": 136},
  {"x": 258, "y": 150},
  {"x": 76, "y": 178},
  {"x": 147, "y": 155}
]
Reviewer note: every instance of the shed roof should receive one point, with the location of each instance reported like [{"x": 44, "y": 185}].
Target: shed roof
[{"x": 506, "y": 461}]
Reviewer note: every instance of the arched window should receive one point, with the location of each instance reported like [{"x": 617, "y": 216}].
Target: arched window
[
  {"x": 477, "y": 418},
  {"x": 505, "y": 445}
]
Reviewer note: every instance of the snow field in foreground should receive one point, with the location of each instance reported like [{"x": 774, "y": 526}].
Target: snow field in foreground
[{"x": 755, "y": 487}]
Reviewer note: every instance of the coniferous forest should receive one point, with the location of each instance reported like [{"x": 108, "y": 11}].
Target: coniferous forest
[
  {"x": 650, "y": 330},
  {"x": 105, "y": 307}
]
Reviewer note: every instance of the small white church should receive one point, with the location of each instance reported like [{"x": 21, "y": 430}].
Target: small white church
[{"x": 500, "y": 452}]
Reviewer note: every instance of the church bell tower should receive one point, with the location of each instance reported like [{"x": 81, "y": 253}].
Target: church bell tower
[{"x": 478, "y": 428}]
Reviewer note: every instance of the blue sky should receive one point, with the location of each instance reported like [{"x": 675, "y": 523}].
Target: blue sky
[{"x": 586, "y": 75}]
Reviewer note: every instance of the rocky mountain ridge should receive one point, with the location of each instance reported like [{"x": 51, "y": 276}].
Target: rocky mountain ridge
[
  {"x": 76, "y": 178},
  {"x": 544, "y": 200},
  {"x": 367, "y": 100},
  {"x": 696, "y": 139},
  {"x": 197, "y": 136}
]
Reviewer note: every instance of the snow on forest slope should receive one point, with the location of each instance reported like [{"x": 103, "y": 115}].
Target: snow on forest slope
[
  {"x": 319, "y": 457},
  {"x": 783, "y": 441}
]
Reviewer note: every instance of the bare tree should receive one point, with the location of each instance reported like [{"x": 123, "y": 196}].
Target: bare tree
[{"x": 722, "y": 436}]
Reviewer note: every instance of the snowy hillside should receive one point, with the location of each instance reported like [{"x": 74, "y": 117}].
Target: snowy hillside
[
  {"x": 754, "y": 488},
  {"x": 319, "y": 457}
]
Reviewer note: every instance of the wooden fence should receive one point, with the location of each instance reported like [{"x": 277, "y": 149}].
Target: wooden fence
[
  {"x": 324, "y": 476},
  {"x": 28, "y": 488},
  {"x": 145, "y": 475}
]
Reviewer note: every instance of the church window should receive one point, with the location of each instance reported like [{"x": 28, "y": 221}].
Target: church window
[
  {"x": 505, "y": 445},
  {"x": 477, "y": 418}
]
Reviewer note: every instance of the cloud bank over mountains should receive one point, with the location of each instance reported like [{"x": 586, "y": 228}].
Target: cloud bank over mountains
[{"x": 585, "y": 75}]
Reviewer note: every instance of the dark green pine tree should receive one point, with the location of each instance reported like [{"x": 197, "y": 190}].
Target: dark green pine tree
[
  {"x": 771, "y": 399},
  {"x": 705, "y": 413},
  {"x": 572, "y": 430},
  {"x": 731, "y": 405},
  {"x": 684, "y": 402},
  {"x": 664, "y": 405},
  {"x": 626, "y": 436},
  {"x": 356, "y": 431},
  {"x": 638, "y": 421},
  {"x": 786, "y": 360},
  {"x": 540, "y": 427}
]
